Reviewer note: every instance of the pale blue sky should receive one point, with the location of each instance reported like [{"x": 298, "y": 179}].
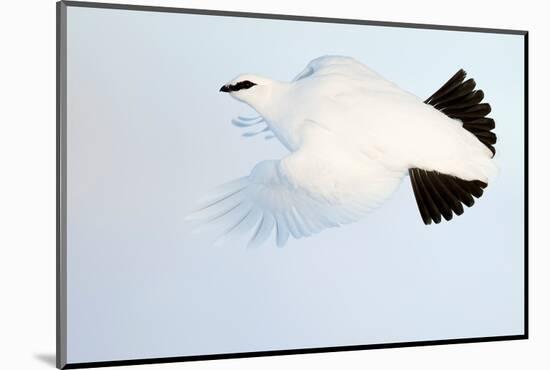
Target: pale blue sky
[{"x": 148, "y": 133}]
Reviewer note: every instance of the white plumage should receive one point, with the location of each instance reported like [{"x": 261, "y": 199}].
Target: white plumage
[{"x": 352, "y": 136}]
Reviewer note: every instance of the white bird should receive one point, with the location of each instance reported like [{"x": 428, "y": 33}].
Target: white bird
[{"x": 352, "y": 136}]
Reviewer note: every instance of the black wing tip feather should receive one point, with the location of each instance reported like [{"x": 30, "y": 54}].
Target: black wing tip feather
[
  {"x": 439, "y": 195},
  {"x": 458, "y": 99}
]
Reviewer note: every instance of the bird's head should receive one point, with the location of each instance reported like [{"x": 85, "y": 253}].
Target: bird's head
[{"x": 253, "y": 90}]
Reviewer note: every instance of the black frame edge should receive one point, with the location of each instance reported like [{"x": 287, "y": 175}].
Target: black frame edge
[
  {"x": 61, "y": 324},
  {"x": 162, "y": 360},
  {"x": 302, "y": 18},
  {"x": 526, "y": 183},
  {"x": 61, "y": 161}
]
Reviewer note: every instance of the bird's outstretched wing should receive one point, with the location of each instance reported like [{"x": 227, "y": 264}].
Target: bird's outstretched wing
[
  {"x": 267, "y": 200},
  {"x": 317, "y": 187}
]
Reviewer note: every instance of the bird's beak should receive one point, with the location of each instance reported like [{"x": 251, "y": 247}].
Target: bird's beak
[{"x": 225, "y": 88}]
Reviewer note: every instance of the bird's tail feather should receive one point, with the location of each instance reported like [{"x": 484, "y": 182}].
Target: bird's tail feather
[
  {"x": 441, "y": 195},
  {"x": 458, "y": 99}
]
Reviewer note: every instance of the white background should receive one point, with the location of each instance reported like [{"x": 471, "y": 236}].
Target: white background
[{"x": 27, "y": 189}]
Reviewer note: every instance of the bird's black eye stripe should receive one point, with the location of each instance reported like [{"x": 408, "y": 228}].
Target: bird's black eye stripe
[{"x": 241, "y": 85}]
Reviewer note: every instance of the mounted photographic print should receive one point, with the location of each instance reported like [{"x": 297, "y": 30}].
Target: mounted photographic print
[{"x": 238, "y": 184}]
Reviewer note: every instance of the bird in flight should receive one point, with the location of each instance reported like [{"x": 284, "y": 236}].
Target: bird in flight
[{"x": 352, "y": 137}]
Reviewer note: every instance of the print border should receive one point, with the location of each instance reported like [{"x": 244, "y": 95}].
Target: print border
[{"x": 61, "y": 158}]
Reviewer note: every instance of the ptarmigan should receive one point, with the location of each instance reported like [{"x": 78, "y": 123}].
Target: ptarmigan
[{"x": 352, "y": 137}]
